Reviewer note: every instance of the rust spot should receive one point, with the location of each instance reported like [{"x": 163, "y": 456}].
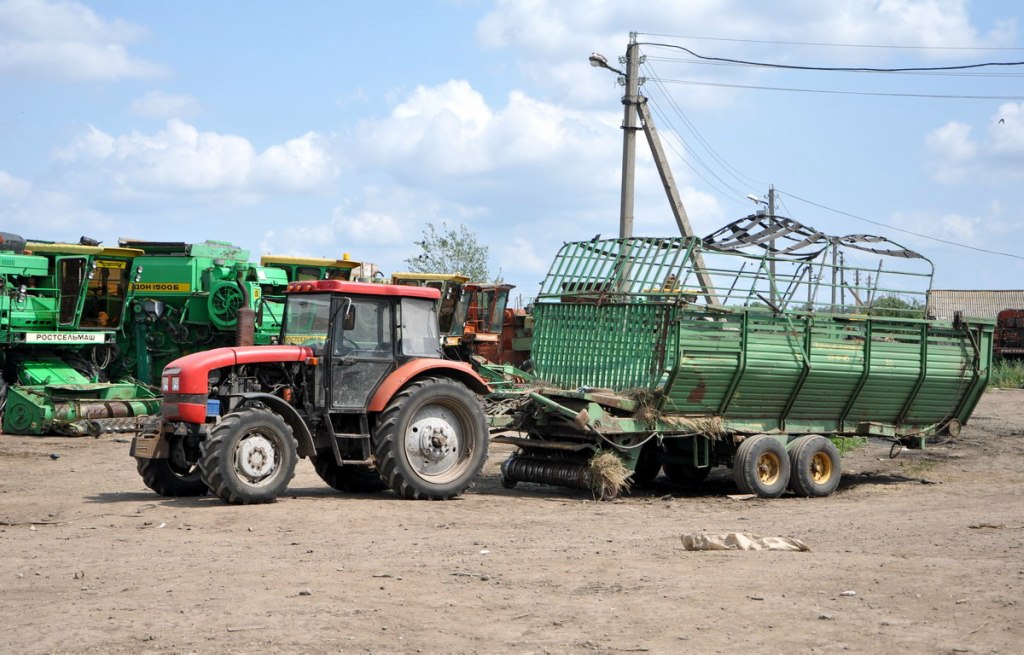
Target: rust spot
[{"x": 697, "y": 393}]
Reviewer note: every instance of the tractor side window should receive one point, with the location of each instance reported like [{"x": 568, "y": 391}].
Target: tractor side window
[
  {"x": 365, "y": 331},
  {"x": 420, "y": 336}
]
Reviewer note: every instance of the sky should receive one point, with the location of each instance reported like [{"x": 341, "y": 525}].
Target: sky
[{"x": 318, "y": 128}]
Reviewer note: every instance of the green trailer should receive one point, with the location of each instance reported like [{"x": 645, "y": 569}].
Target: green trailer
[{"x": 764, "y": 363}]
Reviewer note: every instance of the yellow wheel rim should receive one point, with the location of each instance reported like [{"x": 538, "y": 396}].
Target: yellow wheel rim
[
  {"x": 769, "y": 467},
  {"x": 821, "y": 468}
]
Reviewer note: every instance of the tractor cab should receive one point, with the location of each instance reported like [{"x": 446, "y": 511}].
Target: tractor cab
[{"x": 362, "y": 331}]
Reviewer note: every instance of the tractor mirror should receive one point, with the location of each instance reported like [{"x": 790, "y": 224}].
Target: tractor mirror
[{"x": 350, "y": 318}]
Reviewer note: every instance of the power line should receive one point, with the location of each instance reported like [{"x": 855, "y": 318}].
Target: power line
[
  {"x": 694, "y": 156},
  {"x": 899, "y": 229},
  {"x": 939, "y": 96},
  {"x": 837, "y": 45},
  {"x": 961, "y": 74},
  {"x": 857, "y": 69},
  {"x": 736, "y": 174}
]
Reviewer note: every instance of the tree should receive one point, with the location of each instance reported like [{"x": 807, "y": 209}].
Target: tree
[
  {"x": 896, "y": 306},
  {"x": 450, "y": 250}
]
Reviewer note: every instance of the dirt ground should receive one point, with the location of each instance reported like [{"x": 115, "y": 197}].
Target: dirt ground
[{"x": 918, "y": 554}]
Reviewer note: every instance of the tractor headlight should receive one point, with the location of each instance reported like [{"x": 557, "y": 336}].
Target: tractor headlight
[{"x": 169, "y": 381}]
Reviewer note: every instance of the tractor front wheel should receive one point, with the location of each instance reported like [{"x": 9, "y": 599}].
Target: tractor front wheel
[
  {"x": 249, "y": 457},
  {"x": 431, "y": 440},
  {"x": 172, "y": 476}
]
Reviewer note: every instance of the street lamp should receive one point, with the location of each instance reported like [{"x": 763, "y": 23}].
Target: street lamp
[{"x": 597, "y": 60}]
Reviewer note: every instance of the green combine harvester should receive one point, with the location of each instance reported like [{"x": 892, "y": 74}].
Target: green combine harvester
[
  {"x": 62, "y": 307},
  {"x": 759, "y": 348}
]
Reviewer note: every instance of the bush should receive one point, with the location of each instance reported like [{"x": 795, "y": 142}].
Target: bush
[{"x": 1007, "y": 374}]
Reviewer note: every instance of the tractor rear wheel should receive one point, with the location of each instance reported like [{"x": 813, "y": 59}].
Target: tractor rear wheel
[
  {"x": 354, "y": 478},
  {"x": 761, "y": 466},
  {"x": 249, "y": 457},
  {"x": 815, "y": 464},
  {"x": 431, "y": 440}
]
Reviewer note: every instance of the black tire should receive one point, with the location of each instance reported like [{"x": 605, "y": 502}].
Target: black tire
[
  {"x": 353, "y": 478},
  {"x": 167, "y": 479},
  {"x": 439, "y": 465},
  {"x": 249, "y": 457},
  {"x": 685, "y": 475},
  {"x": 647, "y": 465},
  {"x": 761, "y": 466},
  {"x": 816, "y": 466}
]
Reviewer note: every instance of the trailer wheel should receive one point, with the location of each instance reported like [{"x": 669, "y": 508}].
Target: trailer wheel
[
  {"x": 170, "y": 479},
  {"x": 761, "y": 466},
  {"x": 353, "y": 478},
  {"x": 431, "y": 440},
  {"x": 249, "y": 457},
  {"x": 647, "y": 465},
  {"x": 686, "y": 475},
  {"x": 816, "y": 466}
]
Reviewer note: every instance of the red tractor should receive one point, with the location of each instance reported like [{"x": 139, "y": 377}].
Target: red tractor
[{"x": 358, "y": 385}]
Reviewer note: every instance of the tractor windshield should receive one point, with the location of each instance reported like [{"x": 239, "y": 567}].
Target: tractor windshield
[{"x": 306, "y": 318}]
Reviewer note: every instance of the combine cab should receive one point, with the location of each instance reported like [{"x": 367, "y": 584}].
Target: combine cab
[
  {"x": 784, "y": 353},
  {"x": 62, "y": 307},
  {"x": 306, "y": 269},
  {"x": 450, "y": 309}
]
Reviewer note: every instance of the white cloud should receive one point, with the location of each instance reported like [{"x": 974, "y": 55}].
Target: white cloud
[
  {"x": 997, "y": 156},
  {"x": 296, "y": 165},
  {"x": 12, "y": 187},
  {"x": 555, "y": 35},
  {"x": 449, "y": 131},
  {"x": 953, "y": 149},
  {"x": 180, "y": 158},
  {"x": 157, "y": 104},
  {"x": 67, "y": 41}
]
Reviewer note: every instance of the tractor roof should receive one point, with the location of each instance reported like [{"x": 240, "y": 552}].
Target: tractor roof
[{"x": 363, "y": 289}]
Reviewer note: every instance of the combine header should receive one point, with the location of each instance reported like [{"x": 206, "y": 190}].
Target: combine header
[{"x": 758, "y": 361}]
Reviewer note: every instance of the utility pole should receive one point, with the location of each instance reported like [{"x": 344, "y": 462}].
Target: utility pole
[
  {"x": 634, "y": 106},
  {"x": 629, "y": 128},
  {"x": 771, "y": 243}
]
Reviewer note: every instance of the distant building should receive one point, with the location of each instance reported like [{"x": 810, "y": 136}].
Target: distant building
[{"x": 942, "y": 303}]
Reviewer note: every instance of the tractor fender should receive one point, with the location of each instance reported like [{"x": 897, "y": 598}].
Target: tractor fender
[
  {"x": 417, "y": 368},
  {"x": 300, "y": 430}
]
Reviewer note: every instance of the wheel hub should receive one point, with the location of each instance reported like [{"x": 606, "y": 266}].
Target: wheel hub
[
  {"x": 255, "y": 458},
  {"x": 821, "y": 468},
  {"x": 768, "y": 468},
  {"x": 433, "y": 443}
]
